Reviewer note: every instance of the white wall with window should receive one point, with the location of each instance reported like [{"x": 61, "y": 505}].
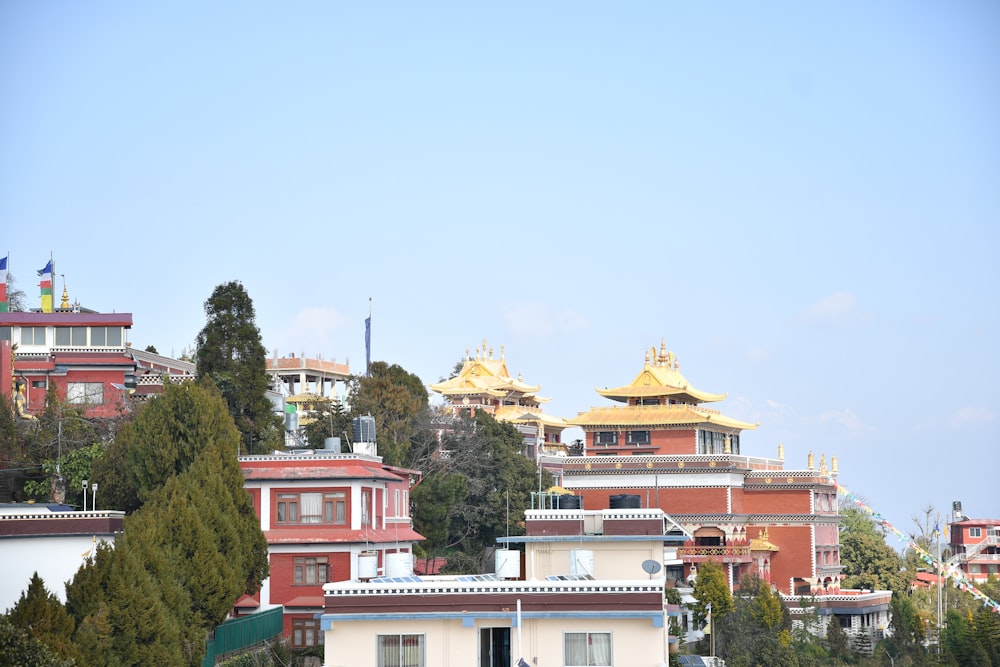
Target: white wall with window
[{"x": 558, "y": 640}]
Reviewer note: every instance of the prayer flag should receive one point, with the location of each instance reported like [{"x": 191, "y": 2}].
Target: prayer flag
[
  {"x": 4, "y": 307},
  {"x": 46, "y": 287}
]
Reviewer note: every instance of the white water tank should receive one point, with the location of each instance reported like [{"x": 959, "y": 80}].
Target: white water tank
[
  {"x": 581, "y": 562},
  {"x": 507, "y": 563},
  {"x": 367, "y": 565},
  {"x": 399, "y": 564}
]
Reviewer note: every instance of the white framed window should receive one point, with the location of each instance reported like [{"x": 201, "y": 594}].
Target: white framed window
[
  {"x": 32, "y": 335},
  {"x": 400, "y": 650},
  {"x": 106, "y": 336},
  {"x": 71, "y": 336},
  {"x": 975, "y": 532},
  {"x": 90, "y": 393},
  {"x": 587, "y": 649}
]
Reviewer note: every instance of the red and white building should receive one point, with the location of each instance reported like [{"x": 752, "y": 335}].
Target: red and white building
[
  {"x": 664, "y": 445},
  {"x": 975, "y": 545},
  {"x": 83, "y": 354},
  {"x": 327, "y": 517}
]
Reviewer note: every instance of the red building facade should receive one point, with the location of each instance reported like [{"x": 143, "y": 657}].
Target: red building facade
[{"x": 327, "y": 517}]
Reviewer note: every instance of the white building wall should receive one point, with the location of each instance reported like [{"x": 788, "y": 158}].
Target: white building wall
[{"x": 55, "y": 558}]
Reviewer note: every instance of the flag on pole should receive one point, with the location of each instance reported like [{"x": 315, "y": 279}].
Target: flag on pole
[
  {"x": 46, "y": 286},
  {"x": 708, "y": 619},
  {"x": 368, "y": 345},
  {"x": 4, "y": 307}
]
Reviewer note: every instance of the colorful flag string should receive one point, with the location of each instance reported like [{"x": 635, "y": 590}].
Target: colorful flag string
[{"x": 951, "y": 571}]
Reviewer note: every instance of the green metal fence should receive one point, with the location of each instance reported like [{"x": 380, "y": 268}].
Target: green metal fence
[{"x": 241, "y": 633}]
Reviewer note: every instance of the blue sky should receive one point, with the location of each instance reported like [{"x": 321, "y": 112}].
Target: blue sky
[{"x": 801, "y": 198}]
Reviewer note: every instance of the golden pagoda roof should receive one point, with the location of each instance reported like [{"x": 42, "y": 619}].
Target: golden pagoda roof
[
  {"x": 656, "y": 415},
  {"x": 521, "y": 414},
  {"x": 660, "y": 377},
  {"x": 761, "y": 542},
  {"x": 485, "y": 375}
]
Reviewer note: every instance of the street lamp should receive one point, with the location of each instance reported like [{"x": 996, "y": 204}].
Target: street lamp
[
  {"x": 93, "y": 498},
  {"x": 85, "y": 495}
]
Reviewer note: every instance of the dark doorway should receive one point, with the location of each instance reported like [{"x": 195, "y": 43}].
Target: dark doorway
[{"x": 494, "y": 647}]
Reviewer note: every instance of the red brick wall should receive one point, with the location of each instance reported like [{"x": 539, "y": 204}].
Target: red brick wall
[
  {"x": 795, "y": 557},
  {"x": 777, "y": 501},
  {"x": 283, "y": 574},
  {"x": 675, "y": 442}
]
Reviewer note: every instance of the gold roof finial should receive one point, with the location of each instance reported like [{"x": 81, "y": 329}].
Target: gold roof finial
[
  {"x": 663, "y": 352},
  {"x": 65, "y": 294},
  {"x": 833, "y": 464},
  {"x": 647, "y": 355},
  {"x": 811, "y": 461},
  {"x": 822, "y": 463},
  {"x": 503, "y": 353},
  {"x": 781, "y": 452},
  {"x": 466, "y": 353}
]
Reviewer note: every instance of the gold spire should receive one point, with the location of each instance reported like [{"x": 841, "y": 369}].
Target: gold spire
[
  {"x": 822, "y": 463},
  {"x": 833, "y": 464},
  {"x": 812, "y": 461},
  {"x": 781, "y": 452},
  {"x": 65, "y": 295}
]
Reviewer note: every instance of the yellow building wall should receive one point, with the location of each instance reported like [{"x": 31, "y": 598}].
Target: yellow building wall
[{"x": 634, "y": 642}]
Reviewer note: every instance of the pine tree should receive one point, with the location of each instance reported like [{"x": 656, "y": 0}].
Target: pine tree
[
  {"x": 230, "y": 352},
  {"x": 41, "y": 613}
]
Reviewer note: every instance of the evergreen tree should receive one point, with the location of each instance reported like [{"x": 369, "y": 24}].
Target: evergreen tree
[
  {"x": 758, "y": 629},
  {"x": 41, "y": 613},
  {"x": 397, "y": 400},
  {"x": 229, "y": 350},
  {"x": 19, "y": 648}
]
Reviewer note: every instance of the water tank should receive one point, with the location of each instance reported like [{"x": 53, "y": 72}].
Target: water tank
[
  {"x": 568, "y": 502},
  {"x": 367, "y": 565},
  {"x": 625, "y": 501},
  {"x": 508, "y": 563},
  {"x": 581, "y": 561},
  {"x": 364, "y": 429},
  {"x": 399, "y": 564},
  {"x": 331, "y": 445}
]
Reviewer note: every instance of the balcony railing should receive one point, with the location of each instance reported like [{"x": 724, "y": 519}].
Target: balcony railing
[{"x": 722, "y": 554}]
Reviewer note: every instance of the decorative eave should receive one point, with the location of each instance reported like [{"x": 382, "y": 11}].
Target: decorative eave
[
  {"x": 656, "y": 415},
  {"x": 660, "y": 377},
  {"x": 518, "y": 414}
]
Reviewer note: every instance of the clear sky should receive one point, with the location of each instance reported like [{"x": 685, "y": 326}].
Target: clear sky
[{"x": 801, "y": 199}]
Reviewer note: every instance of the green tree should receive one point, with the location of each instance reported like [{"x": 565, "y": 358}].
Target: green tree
[
  {"x": 44, "y": 616},
  {"x": 758, "y": 629},
  {"x": 329, "y": 419},
  {"x": 19, "y": 648},
  {"x": 229, "y": 350},
  {"x": 711, "y": 588},
  {"x": 867, "y": 560},
  {"x": 397, "y": 400}
]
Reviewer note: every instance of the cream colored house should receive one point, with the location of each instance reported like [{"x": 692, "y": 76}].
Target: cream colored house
[{"x": 591, "y": 595}]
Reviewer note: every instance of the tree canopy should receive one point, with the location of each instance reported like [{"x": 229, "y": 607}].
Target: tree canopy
[{"x": 229, "y": 350}]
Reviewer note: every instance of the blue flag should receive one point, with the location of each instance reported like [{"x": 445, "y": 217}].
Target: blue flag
[{"x": 368, "y": 345}]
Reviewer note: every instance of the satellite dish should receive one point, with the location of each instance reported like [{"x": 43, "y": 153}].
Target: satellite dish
[{"x": 651, "y": 567}]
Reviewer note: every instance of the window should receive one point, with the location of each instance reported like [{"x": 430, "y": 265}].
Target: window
[
  {"x": 400, "y": 650},
  {"x": 91, "y": 393},
  {"x": 587, "y": 649},
  {"x": 288, "y": 508},
  {"x": 106, "y": 336},
  {"x": 74, "y": 336},
  {"x": 605, "y": 438},
  {"x": 305, "y": 632},
  {"x": 637, "y": 437},
  {"x": 313, "y": 508},
  {"x": 975, "y": 532},
  {"x": 38, "y": 384},
  {"x": 335, "y": 507},
  {"x": 310, "y": 570},
  {"x": 32, "y": 335},
  {"x": 5, "y": 333}
]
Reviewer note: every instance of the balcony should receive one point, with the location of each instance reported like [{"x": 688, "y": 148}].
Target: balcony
[{"x": 695, "y": 553}]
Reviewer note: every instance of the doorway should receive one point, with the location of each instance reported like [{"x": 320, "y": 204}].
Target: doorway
[{"x": 494, "y": 647}]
